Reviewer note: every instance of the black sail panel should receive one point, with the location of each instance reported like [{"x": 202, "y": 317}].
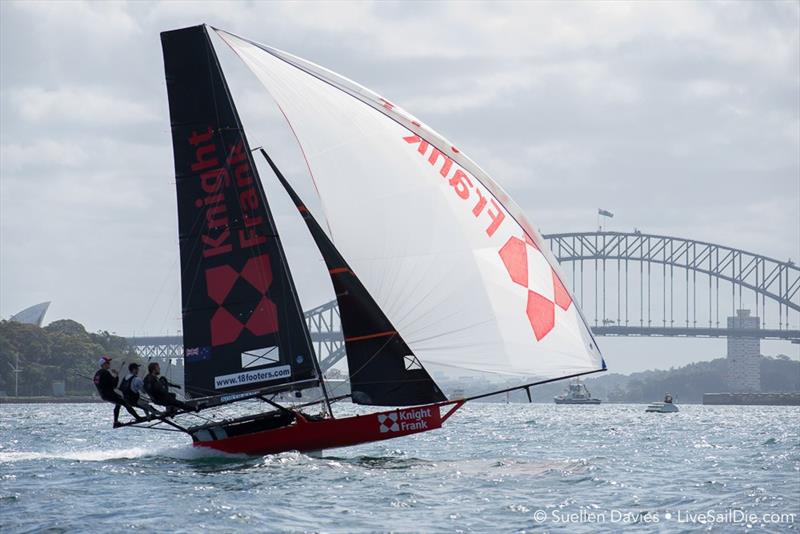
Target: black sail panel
[
  {"x": 383, "y": 369},
  {"x": 243, "y": 327}
]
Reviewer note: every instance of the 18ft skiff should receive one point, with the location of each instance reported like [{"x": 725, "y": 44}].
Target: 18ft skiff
[{"x": 435, "y": 268}]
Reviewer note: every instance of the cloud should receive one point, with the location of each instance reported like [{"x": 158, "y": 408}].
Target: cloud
[
  {"x": 681, "y": 117},
  {"x": 43, "y": 152},
  {"x": 93, "y": 20},
  {"x": 82, "y": 105}
]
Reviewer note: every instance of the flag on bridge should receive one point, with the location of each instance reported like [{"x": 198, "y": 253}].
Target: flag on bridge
[{"x": 604, "y": 213}]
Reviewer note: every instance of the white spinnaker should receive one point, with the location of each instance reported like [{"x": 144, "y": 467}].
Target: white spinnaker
[{"x": 424, "y": 235}]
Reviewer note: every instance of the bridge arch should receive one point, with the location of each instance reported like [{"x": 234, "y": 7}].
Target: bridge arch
[
  {"x": 763, "y": 283},
  {"x": 775, "y": 282}
]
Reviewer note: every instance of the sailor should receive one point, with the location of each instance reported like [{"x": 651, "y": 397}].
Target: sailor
[
  {"x": 106, "y": 380},
  {"x": 131, "y": 388},
  {"x": 157, "y": 387}
]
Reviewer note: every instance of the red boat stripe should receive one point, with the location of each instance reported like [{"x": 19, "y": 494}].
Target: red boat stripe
[{"x": 371, "y": 336}]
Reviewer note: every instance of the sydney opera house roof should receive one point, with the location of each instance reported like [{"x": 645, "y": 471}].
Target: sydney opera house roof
[{"x": 32, "y": 315}]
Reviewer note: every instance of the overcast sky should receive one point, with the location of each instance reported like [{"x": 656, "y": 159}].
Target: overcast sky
[{"x": 682, "y": 118}]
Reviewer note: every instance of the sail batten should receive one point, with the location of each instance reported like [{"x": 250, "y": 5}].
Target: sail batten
[{"x": 430, "y": 234}]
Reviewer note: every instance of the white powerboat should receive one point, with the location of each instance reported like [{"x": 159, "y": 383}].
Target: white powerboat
[{"x": 663, "y": 407}]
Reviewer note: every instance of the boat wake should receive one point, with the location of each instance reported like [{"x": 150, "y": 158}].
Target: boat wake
[
  {"x": 80, "y": 456},
  {"x": 387, "y": 462},
  {"x": 176, "y": 452}
]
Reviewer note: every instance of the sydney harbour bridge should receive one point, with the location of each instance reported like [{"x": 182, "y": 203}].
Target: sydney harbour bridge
[{"x": 630, "y": 284}]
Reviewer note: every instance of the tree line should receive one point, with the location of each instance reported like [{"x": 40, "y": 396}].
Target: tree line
[
  {"x": 779, "y": 374},
  {"x": 62, "y": 351}
]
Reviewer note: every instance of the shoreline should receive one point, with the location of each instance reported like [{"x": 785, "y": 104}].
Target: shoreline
[{"x": 83, "y": 399}]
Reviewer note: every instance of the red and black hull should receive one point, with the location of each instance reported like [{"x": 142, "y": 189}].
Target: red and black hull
[{"x": 308, "y": 435}]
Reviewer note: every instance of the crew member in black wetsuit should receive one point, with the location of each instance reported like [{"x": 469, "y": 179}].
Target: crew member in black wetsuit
[
  {"x": 106, "y": 381},
  {"x": 157, "y": 387}
]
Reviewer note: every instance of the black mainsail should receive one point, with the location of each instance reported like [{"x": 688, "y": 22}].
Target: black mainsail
[
  {"x": 243, "y": 327},
  {"x": 383, "y": 369}
]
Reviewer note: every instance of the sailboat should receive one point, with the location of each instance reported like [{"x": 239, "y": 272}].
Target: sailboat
[{"x": 435, "y": 268}]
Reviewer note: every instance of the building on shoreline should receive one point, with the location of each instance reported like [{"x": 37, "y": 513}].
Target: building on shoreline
[{"x": 744, "y": 355}]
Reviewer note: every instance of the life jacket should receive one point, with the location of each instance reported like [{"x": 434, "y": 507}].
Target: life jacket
[
  {"x": 154, "y": 388},
  {"x": 105, "y": 383},
  {"x": 148, "y": 384},
  {"x": 96, "y": 381},
  {"x": 127, "y": 392}
]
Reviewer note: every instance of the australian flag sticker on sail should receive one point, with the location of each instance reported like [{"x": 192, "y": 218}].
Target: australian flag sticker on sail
[{"x": 197, "y": 354}]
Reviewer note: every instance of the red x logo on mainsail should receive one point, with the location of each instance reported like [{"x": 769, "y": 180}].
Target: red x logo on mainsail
[{"x": 225, "y": 328}]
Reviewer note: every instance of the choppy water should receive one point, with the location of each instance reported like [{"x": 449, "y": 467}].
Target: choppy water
[{"x": 493, "y": 467}]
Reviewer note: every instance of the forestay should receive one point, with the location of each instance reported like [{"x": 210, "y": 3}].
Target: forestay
[{"x": 443, "y": 250}]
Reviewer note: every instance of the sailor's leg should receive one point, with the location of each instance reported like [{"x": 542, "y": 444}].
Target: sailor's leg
[
  {"x": 175, "y": 403},
  {"x": 122, "y": 402},
  {"x": 131, "y": 411},
  {"x": 148, "y": 409},
  {"x": 188, "y": 408}
]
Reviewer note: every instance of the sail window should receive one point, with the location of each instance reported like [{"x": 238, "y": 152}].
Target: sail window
[
  {"x": 411, "y": 362},
  {"x": 258, "y": 357}
]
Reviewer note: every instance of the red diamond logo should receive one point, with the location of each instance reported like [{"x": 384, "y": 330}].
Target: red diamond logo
[
  {"x": 264, "y": 319},
  {"x": 515, "y": 258},
  {"x": 225, "y": 328},
  {"x": 219, "y": 281},
  {"x": 541, "y": 313},
  {"x": 562, "y": 296}
]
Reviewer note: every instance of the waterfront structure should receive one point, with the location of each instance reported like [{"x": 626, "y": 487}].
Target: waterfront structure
[
  {"x": 744, "y": 355},
  {"x": 640, "y": 284},
  {"x": 637, "y": 284}
]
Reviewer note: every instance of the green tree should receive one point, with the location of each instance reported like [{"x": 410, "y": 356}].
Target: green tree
[{"x": 61, "y": 351}]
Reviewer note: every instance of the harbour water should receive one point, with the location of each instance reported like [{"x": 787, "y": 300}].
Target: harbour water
[{"x": 493, "y": 467}]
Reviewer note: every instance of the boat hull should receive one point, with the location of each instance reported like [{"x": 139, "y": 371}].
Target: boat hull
[
  {"x": 577, "y": 401},
  {"x": 309, "y": 435},
  {"x": 661, "y": 407}
]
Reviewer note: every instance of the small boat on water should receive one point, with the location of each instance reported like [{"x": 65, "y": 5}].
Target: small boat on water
[
  {"x": 576, "y": 393},
  {"x": 662, "y": 407}
]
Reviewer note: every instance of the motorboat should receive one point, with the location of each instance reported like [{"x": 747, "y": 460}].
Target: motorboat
[
  {"x": 663, "y": 407},
  {"x": 576, "y": 393}
]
